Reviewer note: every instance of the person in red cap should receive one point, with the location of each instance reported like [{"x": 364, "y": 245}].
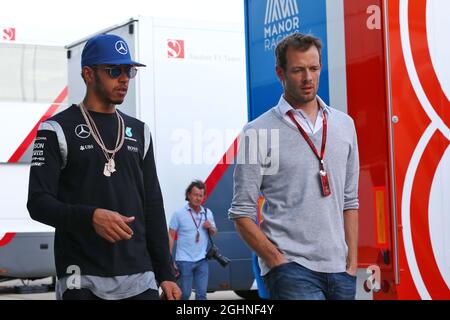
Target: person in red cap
[{"x": 93, "y": 178}]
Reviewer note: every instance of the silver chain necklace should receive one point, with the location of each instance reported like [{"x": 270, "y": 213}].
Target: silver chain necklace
[{"x": 110, "y": 165}]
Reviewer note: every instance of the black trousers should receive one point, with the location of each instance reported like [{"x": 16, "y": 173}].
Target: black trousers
[{"x": 86, "y": 294}]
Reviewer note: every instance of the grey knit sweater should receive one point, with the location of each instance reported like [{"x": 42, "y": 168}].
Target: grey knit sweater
[{"x": 275, "y": 161}]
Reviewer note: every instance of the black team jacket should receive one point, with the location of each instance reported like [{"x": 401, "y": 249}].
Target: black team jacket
[{"x": 67, "y": 185}]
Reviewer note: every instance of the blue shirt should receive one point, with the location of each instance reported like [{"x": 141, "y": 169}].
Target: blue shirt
[{"x": 188, "y": 249}]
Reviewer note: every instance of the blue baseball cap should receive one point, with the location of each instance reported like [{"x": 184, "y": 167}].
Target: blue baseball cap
[{"x": 107, "y": 49}]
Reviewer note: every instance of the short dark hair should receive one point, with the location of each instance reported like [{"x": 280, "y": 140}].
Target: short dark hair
[
  {"x": 298, "y": 41},
  {"x": 82, "y": 72},
  {"x": 196, "y": 183}
]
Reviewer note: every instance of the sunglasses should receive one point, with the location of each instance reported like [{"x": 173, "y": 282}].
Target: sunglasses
[{"x": 116, "y": 71}]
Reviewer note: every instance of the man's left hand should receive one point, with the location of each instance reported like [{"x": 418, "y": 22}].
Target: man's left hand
[
  {"x": 207, "y": 225},
  {"x": 170, "y": 290},
  {"x": 352, "y": 269}
]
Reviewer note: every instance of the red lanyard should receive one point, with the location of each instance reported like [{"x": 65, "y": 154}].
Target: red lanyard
[
  {"x": 322, "y": 173},
  {"x": 197, "y": 237}
]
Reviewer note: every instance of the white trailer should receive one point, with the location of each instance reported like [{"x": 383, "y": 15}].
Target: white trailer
[{"x": 33, "y": 88}]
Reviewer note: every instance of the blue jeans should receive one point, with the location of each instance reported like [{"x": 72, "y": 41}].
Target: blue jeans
[
  {"x": 292, "y": 281},
  {"x": 196, "y": 273}
]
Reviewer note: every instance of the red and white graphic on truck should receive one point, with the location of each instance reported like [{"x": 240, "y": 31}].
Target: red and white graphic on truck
[
  {"x": 175, "y": 49},
  {"x": 9, "y": 34}
]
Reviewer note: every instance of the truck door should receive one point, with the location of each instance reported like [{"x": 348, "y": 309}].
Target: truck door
[{"x": 420, "y": 91}]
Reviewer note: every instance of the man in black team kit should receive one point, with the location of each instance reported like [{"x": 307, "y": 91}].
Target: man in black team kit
[{"x": 93, "y": 178}]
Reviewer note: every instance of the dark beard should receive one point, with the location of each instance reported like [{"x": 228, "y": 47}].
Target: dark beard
[{"x": 100, "y": 91}]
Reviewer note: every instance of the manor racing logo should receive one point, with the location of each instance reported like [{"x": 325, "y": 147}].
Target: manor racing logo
[{"x": 281, "y": 20}]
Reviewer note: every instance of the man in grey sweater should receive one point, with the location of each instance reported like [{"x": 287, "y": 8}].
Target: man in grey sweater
[{"x": 302, "y": 157}]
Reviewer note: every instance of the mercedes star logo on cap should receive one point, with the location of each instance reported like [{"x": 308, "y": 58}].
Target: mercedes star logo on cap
[
  {"x": 82, "y": 131},
  {"x": 121, "y": 47}
]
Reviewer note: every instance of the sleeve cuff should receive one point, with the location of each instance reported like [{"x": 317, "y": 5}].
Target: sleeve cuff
[
  {"x": 233, "y": 215},
  {"x": 354, "y": 205},
  {"x": 82, "y": 217},
  {"x": 165, "y": 276}
]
